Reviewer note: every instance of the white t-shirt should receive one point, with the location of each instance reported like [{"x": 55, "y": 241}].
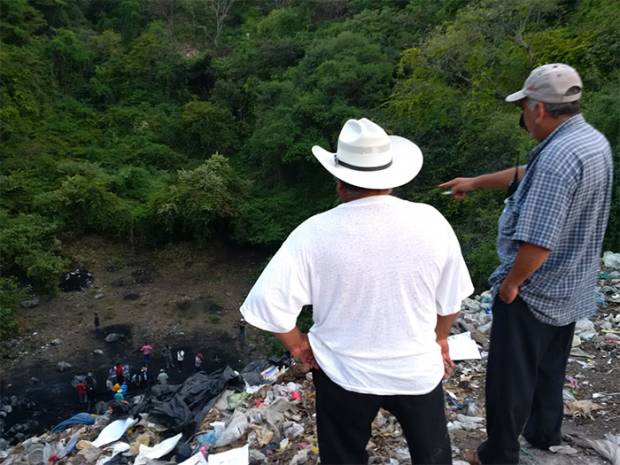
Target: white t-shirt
[{"x": 377, "y": 271}]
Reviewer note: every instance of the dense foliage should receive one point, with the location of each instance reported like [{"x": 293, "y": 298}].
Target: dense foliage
[{"x": 153, "y": 120}]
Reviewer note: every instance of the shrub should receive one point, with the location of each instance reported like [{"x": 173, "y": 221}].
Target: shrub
[
  {"x": 29, "y": 249},
  {"x": 10, "y": 296},
  {"x": 196, "y": 201}
]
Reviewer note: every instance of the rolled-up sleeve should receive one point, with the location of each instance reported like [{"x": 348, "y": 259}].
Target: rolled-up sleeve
[
  {"x": 277, "y": 297},
  {"x": 543, "y": 212}
]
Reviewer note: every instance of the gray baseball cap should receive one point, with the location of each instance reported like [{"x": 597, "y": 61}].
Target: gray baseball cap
[{"x": 551, "y": 84}]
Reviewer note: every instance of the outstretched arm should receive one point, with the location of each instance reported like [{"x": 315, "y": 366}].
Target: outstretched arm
[{"x": 498, "y": 180}]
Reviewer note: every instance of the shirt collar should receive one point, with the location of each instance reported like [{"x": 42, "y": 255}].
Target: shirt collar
[
  {"x": 567, "y": 125},
  {"x": 372, "y": 199}
]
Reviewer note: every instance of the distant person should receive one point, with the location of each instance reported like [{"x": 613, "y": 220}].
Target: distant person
[
  {"x": 91, "y": 396},
  {"x": 97, "y": 324},
  {"x": 198, "y": 359},
  {"x": 146, "y": 350},
  {"x": 80, "y": 388},
  {"x": 549, "y": 243},
  {"x": 386, "y": 279},
  {"x": 118, "y": 372},
  {"x": 118, "y": 396},
  {"x": 136, "y": 379},
  {"x": 140, "y": 378},
  {"x": 180, "y": 359},
  {"x": 126, "y": 373},
  {"x": 167, "y": 354},
  {"x": 162, "y": 377},
  {"x": 242, "y": 325},
  {"x": 90, "y": 380},
  {"x": 124, "y": 388}
]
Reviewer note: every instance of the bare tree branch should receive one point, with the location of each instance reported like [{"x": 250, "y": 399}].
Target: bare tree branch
[{"x": 220, "y": 9}]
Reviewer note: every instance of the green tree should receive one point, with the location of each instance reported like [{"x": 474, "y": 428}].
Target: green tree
[
  {"x": 197, "y": 201},
  {"x": 208, "y": 128},
  {"x": 30, "y": 250}
]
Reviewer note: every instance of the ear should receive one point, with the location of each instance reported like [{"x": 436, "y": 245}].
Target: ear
[{"x": 539, "y": 113}]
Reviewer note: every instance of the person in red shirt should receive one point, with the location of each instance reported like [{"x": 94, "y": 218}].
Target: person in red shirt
[
  {"x": 81, "y": 392},
  {"x": 146, "y": 349},
  {"x": 118, "y": 371},
  {"x": 198, "y": 361}
]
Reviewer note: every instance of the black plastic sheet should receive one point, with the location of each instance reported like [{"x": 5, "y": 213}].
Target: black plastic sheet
[{"x": 180, "y": 407}]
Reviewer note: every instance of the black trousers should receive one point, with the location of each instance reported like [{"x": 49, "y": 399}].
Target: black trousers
[
  {"x": 525, "y": 377},
  {"x": 344, "y": 423}
]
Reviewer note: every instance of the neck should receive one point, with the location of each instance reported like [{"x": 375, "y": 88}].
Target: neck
[
  {"x": 348, "y": 196},
  {"x": 552, "y": 125}
]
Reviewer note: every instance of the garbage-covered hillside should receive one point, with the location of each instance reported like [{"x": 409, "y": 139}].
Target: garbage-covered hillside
[{"x": 264, "y": 412}]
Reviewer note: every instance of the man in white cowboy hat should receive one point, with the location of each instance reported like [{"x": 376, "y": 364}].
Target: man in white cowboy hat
[
  {"x": 385, "y": 278},
  {"x": 549, "y": 243}
]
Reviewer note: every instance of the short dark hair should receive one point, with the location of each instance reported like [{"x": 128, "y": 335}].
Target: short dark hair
[
  {"x": 352, "y": 188},
  {"x": 561, "y": 109}
]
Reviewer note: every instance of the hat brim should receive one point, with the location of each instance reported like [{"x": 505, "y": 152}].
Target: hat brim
[
  {"x": 520, "y": 95},
  {"x": 406, "y": 164}
]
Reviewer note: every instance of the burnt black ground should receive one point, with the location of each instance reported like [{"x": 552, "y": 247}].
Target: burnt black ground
[{"x": 55, "y": 398}]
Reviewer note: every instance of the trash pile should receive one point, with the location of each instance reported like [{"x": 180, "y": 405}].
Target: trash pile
[{"x": 265, "y": 413}]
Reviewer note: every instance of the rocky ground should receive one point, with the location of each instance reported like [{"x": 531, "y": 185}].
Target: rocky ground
[{"x": 189, "y": 298}]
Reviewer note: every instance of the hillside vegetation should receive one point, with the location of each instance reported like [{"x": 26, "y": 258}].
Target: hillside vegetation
[{"x": 152, "y": 121}]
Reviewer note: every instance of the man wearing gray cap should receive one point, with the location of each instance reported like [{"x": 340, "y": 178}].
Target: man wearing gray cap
[
  {"x": 549, "y": 243},
  {"x": 386, "y": 279}
]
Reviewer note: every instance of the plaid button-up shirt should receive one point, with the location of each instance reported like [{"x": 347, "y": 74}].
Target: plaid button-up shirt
[{"x": 562, "y": 204}]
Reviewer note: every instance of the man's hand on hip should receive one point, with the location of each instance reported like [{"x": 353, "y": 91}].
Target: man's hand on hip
[
  {"x": 529, "y": 258},
  {"x": 298, "y": 345},
  {"x": 508, "y": 292}
]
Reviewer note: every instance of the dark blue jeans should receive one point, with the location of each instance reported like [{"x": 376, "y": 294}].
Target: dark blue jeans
[
  {"x": 344, "y": 421},
  {"x": 525, "y": 378}
]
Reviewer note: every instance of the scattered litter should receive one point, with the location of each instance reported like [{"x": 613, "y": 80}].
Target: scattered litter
[
  {"x": 608, "y": 448},
  {"x": 300, "y": 457},
  {"x": 463, "y": 347},
  {"x": 147, "y": 454},
  {"x": 79, "y": 419},
  {"x": 239, "y": 456},
  {"x": 611, "y": 260},
  {"x": 113, "y": 450},
  {"x": 197, "y": 459},
  {"x": 234, "y": 430},
  {"x": 565, "y": 450},
  {"x": 113, "y": 432},
  {"x": 580, "y": 408}
]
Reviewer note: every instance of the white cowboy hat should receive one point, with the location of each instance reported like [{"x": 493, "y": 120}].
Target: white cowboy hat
[{"x": 367, "y": 157}]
